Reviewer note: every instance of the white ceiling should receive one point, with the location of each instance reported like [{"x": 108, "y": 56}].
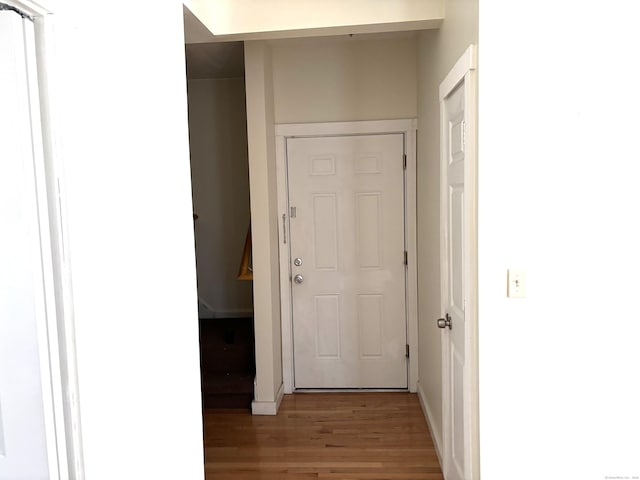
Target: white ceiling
[
  {"x": 194, "y": 30},
  {"x": 207, "y": 57}
]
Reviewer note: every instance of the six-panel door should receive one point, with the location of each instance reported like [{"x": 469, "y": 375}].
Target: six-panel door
[
  {"x": 455, "y": 424},
  {"x": 349, "y": 314}
]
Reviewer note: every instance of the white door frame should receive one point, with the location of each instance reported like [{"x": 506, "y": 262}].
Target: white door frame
[
  {"x": 55, "y": 325},
  {"x": 463, "y": 70},
  {"x": 407, "y": 127}
]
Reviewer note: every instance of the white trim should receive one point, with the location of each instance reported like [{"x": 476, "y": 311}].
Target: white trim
[
  {"x": 411, "y": 239},
  {"x": 352, "y": 390},
  {"x": 232, "y": 314},
  {"x": 51, "y": 379},
  {"x": 444, "y": 278},
  {"x": 471, "y": 253},
  {"x": 408, "y": 26},
  {"x": 436, "y": 435},
  {"x": 407, "y": 127},
  {"x": 286, "y": 326},
  {"x": 468, "y": 61},
  {"x": 60, "y": 332},
  {"x": 345, "y": 128},
  {"x": 463, "y": 70},
  {"x": 31, "y": 8},
  {"x": 268, "y": 408},
  {"x": 207, "y": 312},
  {"x": 63, "y": 324}
]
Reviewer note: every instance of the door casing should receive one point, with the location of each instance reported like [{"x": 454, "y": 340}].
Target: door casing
[
  {"x": 57, "y": 347},
  {"x": 408, "y": 128}
]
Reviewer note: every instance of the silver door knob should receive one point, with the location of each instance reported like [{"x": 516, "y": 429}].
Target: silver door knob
[
  {"x": 445, "y": 322},
  {"x": 297, "y": 262},
  {"x": 298, "y": 279}
]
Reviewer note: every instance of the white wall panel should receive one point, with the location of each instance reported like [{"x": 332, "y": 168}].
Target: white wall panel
[
  {"x": 558, "y": 197},
  {"x": 121, "y": 85}
]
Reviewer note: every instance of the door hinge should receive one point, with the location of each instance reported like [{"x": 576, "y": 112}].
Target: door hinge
[
  {"x": 404, "y": 161},
  {"x": 406, "y": 350},
  {"x": 406, "y": 258},
  {"x": 293, "y": 212}
]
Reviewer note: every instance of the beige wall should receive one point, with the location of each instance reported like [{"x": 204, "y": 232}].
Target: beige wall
[
  {"x": 343, "y": 78},
  {"x": 438, "y": 50},
  {"x": 264, "y": 222},
  {"x": 320, "y": 75},
  {"x": 248, "y": 19},
  {"x": 220, "y": 184}
]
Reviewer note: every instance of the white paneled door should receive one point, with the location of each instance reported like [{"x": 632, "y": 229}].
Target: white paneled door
[
  {"x": 454, "y": 297},
  {"x": 24, "y": 453},
  {"x": 346, "y": 195},
  {"x": 458, "y": 261}
]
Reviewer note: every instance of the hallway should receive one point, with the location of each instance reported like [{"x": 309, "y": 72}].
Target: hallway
[{"x": 360, "y": 436}]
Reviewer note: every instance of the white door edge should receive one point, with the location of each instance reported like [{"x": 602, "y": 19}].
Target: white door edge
[
  {"x": 466, "y": 63},
  {"x": 31, "y": 7},
  {"x": 56, "y": 332},
  {"x": 408, "y": 128},
  {"x": 464, "y": 70}
]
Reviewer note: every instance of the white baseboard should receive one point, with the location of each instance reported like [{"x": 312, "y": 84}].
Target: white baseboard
[
  {"x": 435, "y": 432},
  {"x": 268, "y": 408},
  {"x": 205, "y": 311},
  {"x": 233, "y": 314}
]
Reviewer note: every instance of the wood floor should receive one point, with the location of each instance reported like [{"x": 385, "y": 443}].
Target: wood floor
[{"x": 359, "y": 436}]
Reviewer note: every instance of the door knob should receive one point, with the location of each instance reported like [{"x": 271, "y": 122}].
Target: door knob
[
  {"x": 297, "y": 262},
  {"x": 445, "y": 322},
  {"x": 298, "y": 279}
]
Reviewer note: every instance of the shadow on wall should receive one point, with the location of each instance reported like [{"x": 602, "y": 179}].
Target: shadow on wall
[{"x": 220, "y": 184}]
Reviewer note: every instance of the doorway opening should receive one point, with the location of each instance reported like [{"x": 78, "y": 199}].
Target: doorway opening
[
  {"x": 336, "y": 81},
  {"x": 348, "y": 262},
  {"x": 220, "y": 191}
]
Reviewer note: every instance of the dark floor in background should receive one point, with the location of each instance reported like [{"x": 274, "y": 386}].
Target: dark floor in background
[{"x": 227, "y": 362}]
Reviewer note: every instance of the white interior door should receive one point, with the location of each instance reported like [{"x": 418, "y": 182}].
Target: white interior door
[
  {"x": 23, "y": 436},
  {"x": 458, "y": 214},
  {"x": 347, "y": 253},
  {"x": 454, "y": 283}
]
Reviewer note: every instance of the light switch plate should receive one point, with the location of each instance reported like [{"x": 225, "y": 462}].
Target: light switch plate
[{"x": 516, "y": 283}]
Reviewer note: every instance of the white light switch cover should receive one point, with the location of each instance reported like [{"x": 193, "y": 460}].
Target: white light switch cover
[{"x": 516, "y": 283}]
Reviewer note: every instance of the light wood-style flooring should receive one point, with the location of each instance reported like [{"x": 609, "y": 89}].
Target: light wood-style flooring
[{"x": 324, "y": 436}]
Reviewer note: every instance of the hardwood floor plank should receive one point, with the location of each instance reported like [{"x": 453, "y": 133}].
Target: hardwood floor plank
[{"x": 369, "y": 435}]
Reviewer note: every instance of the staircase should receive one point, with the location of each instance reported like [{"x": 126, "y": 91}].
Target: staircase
[{"x": 227, "y": 362}]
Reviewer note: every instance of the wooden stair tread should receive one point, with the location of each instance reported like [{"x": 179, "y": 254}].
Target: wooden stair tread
[
  {"x": 228, "y": 383},
  {"x": 227, "y": 363}
]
